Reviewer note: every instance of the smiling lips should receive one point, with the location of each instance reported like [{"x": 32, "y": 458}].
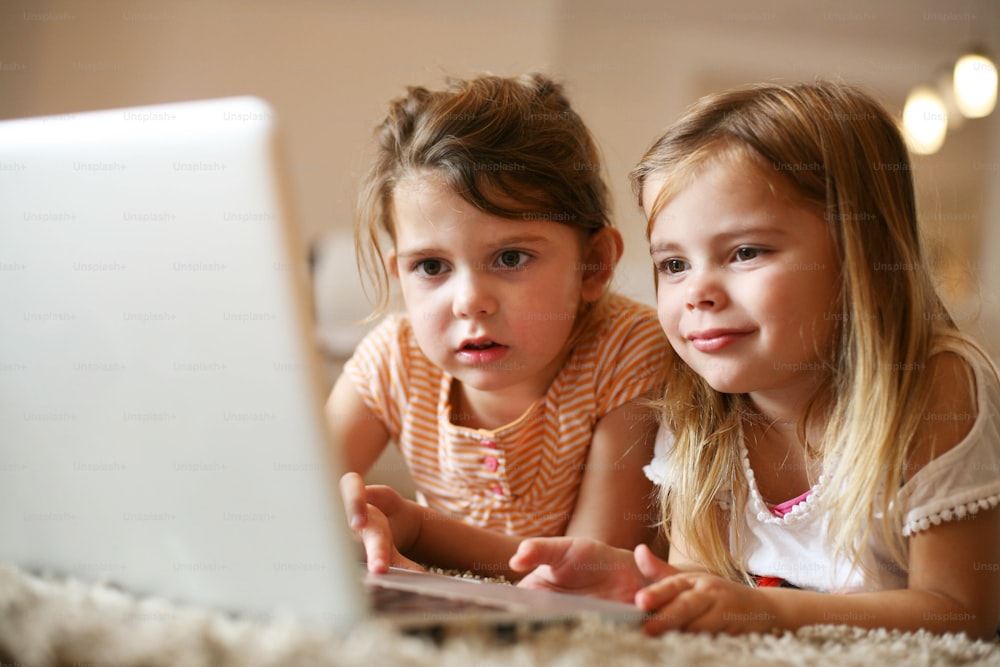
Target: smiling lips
[{"x": 713, "y": 340}]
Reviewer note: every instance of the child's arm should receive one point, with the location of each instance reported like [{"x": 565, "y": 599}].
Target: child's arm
[
  {"x": 360, "y": 437},
  {"x": 616, "y": 503},
  {"x": 954, "y": 586},
  {"x": 360, "y": 434}
]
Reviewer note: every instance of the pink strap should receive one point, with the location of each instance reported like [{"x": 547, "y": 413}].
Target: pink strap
[{"x": 784, "y": 508}]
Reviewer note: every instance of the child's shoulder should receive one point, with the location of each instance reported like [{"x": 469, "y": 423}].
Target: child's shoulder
[
  {"x": 622, "y": 312},
  {"x": 625, "y": 326},
  {"x": 961, "y": 386},
  {"x": 392, "y": 336},
  {"x": 625, "y": 341}
]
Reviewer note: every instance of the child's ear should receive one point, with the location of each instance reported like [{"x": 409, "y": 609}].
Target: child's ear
[
  {"x": 600, "y": 257},
  {"x": 390, "y": 264}
]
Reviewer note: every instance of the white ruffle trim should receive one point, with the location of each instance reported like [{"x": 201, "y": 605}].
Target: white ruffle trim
[
  {"x": 955, "y": 513},
  {"x": 764, "y": 515},
  {"x": 656, "y": 470}
]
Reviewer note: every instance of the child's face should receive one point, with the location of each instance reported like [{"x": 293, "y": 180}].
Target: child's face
[
  {"x": 748, "y": 282},
  {"x": 491, "y": 300}
]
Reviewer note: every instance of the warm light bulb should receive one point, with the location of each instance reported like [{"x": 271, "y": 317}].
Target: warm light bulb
[
  {"x": 925, "y": 120},
  {"x": 975, "y": 81}
]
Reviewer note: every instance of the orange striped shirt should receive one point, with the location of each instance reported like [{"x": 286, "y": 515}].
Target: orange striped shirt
[{"x": 522, "y": 478}]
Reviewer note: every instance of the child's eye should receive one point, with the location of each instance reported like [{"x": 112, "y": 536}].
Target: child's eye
[
  {"x": 429, "y": 267},
  {"x": 673, "y": 265},
  {"x": 512, "y": 259},
  {"x": 746, "y": 253}
]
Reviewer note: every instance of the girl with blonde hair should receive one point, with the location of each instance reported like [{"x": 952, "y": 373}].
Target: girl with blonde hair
[
  {"x": 827, "y": 426},
  {"x": 513, "y": 382}
]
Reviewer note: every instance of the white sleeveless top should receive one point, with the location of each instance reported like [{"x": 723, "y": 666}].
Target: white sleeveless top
[{"x": 794, "y": 547}]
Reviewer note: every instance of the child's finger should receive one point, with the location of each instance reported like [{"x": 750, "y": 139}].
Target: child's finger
[
  {"x": 525, "y": 558},
  {"x": 541, "y": 578},
  {"x": 650, "y": 566},
  {"x": 673, "y": 604},
  {"x": 402, "y": 561},
  {"x": 538, "y": 551},
  {"x": 666, "y": 619},
  {"x": 383, "y": 497},
  {"x": 661, "y": 593},
  {"x": 377, "y": 539},
  {"x": 352, "y": 491},
  {"x": 380, "y": 551}
]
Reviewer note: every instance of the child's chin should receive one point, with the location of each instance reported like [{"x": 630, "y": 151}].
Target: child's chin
[
  {"x": 730, "y": 385},
  {"x": 485, "y": 378}
]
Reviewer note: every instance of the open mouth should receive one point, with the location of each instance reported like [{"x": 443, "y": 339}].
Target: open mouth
[
  {"x": 480, "y": 345},
  {"x": 481, "y": 351}
]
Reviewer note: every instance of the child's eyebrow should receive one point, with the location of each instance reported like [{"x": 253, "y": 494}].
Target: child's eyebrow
[
  {"x": 756, "y": 229},
  {"x": 503, "y": 242},
  {"x": 655, "y": 248},
  {"x": 522, "y": 239},
  {"x": 419, "y": 252}
]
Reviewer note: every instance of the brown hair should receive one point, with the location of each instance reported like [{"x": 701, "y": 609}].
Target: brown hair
[{"x": 512, "y": 147}]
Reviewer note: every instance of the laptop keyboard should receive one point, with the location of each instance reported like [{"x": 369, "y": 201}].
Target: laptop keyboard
[{"x": 385, "y": 599}]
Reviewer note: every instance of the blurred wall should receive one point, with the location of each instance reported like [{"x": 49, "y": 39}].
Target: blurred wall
[{"x": 630, "y": 67}]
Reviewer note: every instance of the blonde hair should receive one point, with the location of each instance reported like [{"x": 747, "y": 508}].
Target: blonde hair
[
  {"x": 841, "y": 152},
  {"x": 511, "y": 147}
]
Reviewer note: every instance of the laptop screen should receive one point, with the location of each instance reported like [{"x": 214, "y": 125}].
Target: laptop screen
[{"x": 159, "y": 398}]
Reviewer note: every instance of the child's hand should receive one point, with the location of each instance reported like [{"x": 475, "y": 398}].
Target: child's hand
[
  {"x": 699, "y": 602},
  {"x": 372, "y": 511},
  {"x": 578, "y": 565}
]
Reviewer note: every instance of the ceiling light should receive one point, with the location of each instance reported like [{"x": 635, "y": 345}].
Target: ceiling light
[
  {"x": 975, "y": 82},
  {"x": 925, "y": 120}
]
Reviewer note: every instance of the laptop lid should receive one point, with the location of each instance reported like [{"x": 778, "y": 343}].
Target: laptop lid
[{"x": 160, "y": 407}]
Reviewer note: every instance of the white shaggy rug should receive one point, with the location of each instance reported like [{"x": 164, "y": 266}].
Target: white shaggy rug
[{"x": 48, "y": 622}]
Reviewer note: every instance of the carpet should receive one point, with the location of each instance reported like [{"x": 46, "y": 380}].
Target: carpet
[{"x": 47, "y": 622}]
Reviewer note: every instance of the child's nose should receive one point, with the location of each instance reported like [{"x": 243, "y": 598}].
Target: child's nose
[
  {"x": 704, "y": 289},
  {"x": 473, "y": 297}
]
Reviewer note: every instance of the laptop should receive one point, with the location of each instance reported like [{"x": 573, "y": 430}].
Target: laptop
[{"x": 160, "y": 398}]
